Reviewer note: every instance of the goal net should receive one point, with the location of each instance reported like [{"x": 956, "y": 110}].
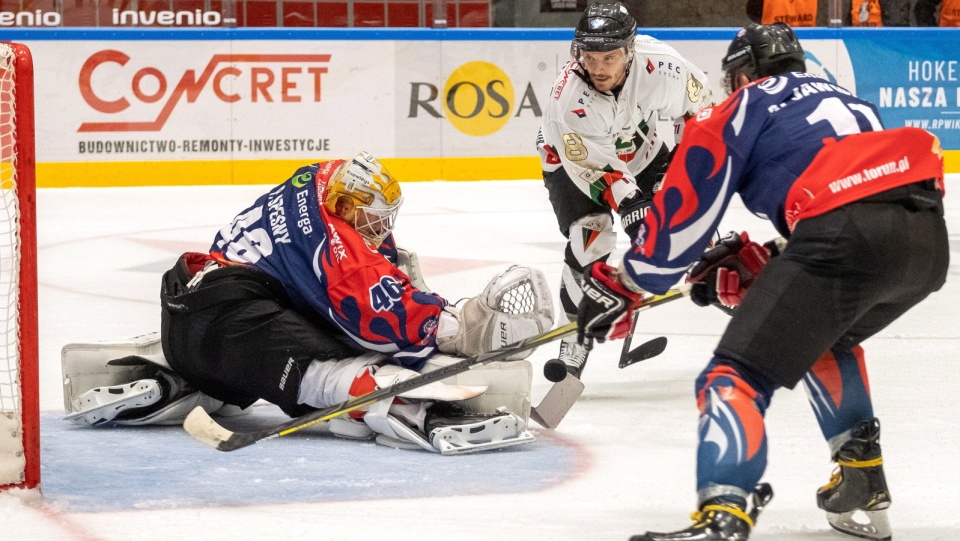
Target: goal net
[{"x": 19, "y": 396}]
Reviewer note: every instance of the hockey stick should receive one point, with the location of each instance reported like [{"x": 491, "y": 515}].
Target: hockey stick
[
  {"x": 628, "y": 356},
  {"x": 563, "y": 394},
  {"x": 204, "y": 429}
]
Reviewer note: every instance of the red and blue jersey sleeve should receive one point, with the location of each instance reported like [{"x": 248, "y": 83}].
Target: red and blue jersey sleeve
[
  {"x": 690, "y": 204},
  {"x": 373, "y": 302}
]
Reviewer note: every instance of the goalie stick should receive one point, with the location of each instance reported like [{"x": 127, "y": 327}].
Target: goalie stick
[
  {"x": 564, "y": 394},
  {"x": 203, "y": 428}
]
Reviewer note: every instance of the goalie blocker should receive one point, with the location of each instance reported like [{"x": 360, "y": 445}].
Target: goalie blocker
[{"x": 131, "y": 382}]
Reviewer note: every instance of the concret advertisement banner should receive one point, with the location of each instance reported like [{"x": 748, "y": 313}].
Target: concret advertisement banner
[{"x": 235, "y": 106}]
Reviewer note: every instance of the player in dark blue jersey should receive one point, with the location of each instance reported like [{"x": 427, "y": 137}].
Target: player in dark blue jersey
[
  {"x": 861, "y": 212},
  {"x": 304, "y": 300}
]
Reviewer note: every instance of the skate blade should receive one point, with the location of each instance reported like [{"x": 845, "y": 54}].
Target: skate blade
[
  {"x": 104, "y": 405},
  {"x": 863, "y": 524}
]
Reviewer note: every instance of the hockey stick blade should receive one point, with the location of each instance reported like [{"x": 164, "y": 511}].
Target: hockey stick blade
[
  {"x": 564, "y": 394},
  {"x": 557, "y": 402},
  {"x": 646, "y": 350},
  {"x": 203, "y": 428},
  {"x": 650, "y": 302}
]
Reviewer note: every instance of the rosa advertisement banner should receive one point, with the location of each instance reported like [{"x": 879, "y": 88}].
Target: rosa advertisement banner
[{"x": 215, "y": 111}]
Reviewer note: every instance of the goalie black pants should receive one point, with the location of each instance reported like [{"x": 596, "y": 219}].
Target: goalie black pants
[
  {"x": 236, "y": 336},
  {"x": 844, "y": 276}
]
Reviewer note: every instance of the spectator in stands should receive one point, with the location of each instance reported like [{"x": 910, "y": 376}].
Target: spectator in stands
[
  {"x": 866, "y": 13},
  {"x": 926, "y": 13},
  {"x": 792, "y": 12}
]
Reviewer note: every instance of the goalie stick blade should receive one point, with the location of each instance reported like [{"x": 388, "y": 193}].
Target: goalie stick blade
[
  {"x": 646, "y": 350},
  {"x": 205, "y": 429},
  {"x": 557, "y": 402},
  {"x": 563, "y": 395}
]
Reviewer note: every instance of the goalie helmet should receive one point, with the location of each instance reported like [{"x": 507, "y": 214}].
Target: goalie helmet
[
  {"x": 761, "y": 50},
  {"x": 604, "y": 27},
  {"x": 371, "y": 190}
]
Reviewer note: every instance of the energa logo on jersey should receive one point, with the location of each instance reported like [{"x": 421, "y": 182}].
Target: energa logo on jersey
[{"x": 478, "y": 98}]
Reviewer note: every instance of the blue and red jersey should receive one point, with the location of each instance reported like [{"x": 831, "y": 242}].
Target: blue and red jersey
[
  {"x": 329, "y": 270},
  {"x": 792, "y": 146}
]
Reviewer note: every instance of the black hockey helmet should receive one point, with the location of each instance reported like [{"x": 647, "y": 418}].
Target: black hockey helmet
[
  {"x": 604, "y": 27},
  {"x": 761, "y": 50}
]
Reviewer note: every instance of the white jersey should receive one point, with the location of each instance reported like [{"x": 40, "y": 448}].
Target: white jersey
[{"x": 604, "y": 141}]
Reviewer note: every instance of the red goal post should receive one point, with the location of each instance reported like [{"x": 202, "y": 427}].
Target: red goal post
[{"x": 19, "y": 370}]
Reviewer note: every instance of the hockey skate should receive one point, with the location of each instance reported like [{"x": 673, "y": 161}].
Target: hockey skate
[
  {"x": 572, "y": 359},
  {"x": 718, "y": 520},
  {"x": 856, "y": 498},
  {"x": 102, "y": 405},
  {"x": 455, "y": 432}
]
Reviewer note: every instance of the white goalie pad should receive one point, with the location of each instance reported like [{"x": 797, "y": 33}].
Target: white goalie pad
[
  {"x": 389, "y": 375},
  {"x": 96, "y": 390},
  {"x": 85, "y": 365},
  {"x": 515, "y": 305},
  {"x": 507, "y": 382}
]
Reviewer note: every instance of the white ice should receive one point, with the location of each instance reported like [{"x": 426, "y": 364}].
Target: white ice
[{"x": 631, "y": 436}]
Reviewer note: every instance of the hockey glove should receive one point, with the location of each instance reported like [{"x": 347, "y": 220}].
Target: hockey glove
[
  {"x": 632, "y": 210},
  {"x": 606, "y": 311},
  {"x": 726, "y": 270}
]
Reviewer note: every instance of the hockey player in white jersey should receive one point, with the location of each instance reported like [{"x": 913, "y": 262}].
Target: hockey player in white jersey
[{"x": 599, "y": 146}]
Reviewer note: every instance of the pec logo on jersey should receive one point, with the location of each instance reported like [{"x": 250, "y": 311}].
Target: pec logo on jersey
[
  {"x": 705, "y": 113},
  {"x": 580, "y": 113},
  {"x": 650, "y": 67}
]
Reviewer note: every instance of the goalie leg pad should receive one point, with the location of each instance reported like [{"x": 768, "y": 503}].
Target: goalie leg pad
[
  {"x": 389, "y": 375},
  {"x": 85, "y": 365},
  {"x": 107, "y": 379},
  {"x": 392, "y": 432},
  {"x": 515, "y": 305},
  {"x": 508, "y": 384}
]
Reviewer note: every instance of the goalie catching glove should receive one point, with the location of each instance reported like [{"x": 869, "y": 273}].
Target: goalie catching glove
[
  {"x": 606, "y": 311},
  {"x": 727, "y": 269},
  {"x": 514, "y": 306}
]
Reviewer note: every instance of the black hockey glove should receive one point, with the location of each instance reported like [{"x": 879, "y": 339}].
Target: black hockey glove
[
  {"x": 606, "y": 311},
  {"x": 632, "y": 210},
  {"x": 726, "y": 270}
]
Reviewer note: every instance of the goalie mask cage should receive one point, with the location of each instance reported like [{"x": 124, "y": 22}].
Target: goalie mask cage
[{"x": 19, "y": 374}]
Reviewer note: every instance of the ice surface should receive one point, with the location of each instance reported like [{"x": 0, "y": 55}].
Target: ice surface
[{"x": 620, "y": 463}]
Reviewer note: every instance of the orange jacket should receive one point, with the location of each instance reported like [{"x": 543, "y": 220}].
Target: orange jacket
[
  {"x": 792, "y": 12},
  {"x": 865, "y": 13},
  {"x": 950, "y": 13}
]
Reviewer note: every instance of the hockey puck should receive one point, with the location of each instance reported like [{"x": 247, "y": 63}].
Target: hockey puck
[{"x": 555, "y": 370}]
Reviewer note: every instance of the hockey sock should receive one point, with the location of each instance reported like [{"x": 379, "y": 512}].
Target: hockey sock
[
  {"x": 839, "y": 390},
  {"x": 732, "y": 454}
]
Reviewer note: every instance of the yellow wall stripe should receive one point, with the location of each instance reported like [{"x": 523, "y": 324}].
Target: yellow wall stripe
[{"x": 196, "y": 172}]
